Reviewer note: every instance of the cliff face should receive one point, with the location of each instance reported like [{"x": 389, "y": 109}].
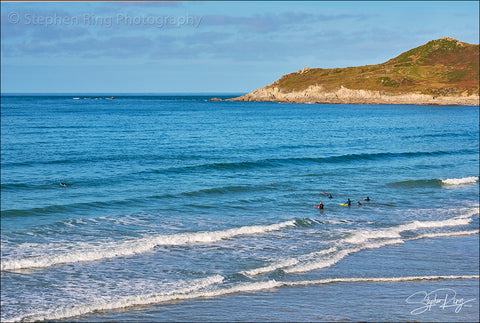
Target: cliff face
[
  {"x": 318, "y": 94},
  {"x": 443, "y": 71}
]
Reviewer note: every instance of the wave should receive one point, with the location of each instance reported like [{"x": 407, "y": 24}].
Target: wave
[
  {"x": 285, "y": 263},
  {"x": 31, "y": 187},
  {"x": 460, "y": 181},
  {"x": 84, "y": 159},
  {"x": 418, "y": 183},
  {"x": 311, "y": 261},
  {"x": 228, "y": 166},
  {"x": 102, "y": 305},
  {"x": 233, "y": 189},
  {"x": 273, "y": 267},
  {"x": 54, "y": 209},
  {"x": 316, "y": 260},
  {"x": 436, "y": 182},
  {"x": 67, "y": 208},
  {"x": 80, "y": 252},
  {"x": 87, "y": 252},
  {"x": 108, "y": 203},
  {"x": 365, "y": 239},
  {"x": 394, "y": 232},
  {"x": 378, "y": 279},
  {"x": 206, "y": 288},
  {"x": 447, "y": 234},
  {"x": 325, "y": 262},
  {"x": 276, "y": 162}
]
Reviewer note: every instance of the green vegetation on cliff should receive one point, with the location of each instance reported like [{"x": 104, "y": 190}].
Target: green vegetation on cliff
[{"x": 441, "y": 67}]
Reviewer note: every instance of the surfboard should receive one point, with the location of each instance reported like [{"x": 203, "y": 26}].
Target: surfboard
[{"x": 344, "y": 204}]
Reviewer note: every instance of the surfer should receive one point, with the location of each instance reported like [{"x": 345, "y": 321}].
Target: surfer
[
  {"x": 349, "y": 203},
  {"x": 330, "y": 196},
  {"x": 366, "y": 199},
  {"x": 63, "y": 184},
  {"x": 358, "y": 203},
  {"x": 320, "y": 206}
]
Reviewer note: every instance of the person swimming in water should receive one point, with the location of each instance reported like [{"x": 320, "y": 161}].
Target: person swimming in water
[
  {"x": 330, "y": 196},
  {"x": 366, "y": 199},
  {"x": 358, "y": 203},
  {"x": 63, "y": 184},
  {"x": 349, "y": 202}
]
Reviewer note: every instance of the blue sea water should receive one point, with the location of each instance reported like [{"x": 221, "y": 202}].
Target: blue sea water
[{"x": 180, "y": 209}]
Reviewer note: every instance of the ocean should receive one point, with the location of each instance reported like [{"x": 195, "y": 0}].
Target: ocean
[{"x": 175, "y": 208}]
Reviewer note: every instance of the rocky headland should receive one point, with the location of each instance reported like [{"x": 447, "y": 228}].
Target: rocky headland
[{"x": 443, "y": 72}]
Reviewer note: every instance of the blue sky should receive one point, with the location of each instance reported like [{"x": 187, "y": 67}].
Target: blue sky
[{"x": 165, "y": 47}]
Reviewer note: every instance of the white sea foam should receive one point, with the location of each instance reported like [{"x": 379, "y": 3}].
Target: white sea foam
[
  {"x": 376, "y": 279},
  {"x": 468, "y": 212},
  {"x": 324, "y": 262},
  {"x": 192, "y": 291},
  {"x": 460, "y": 181},
  {"x": 88, "y": 252},
  {"x": 272, "y": 267},
  {"x": 394, "y": 232},
  {"x": 365, "y": 235},
  {"x": 285, "y": 263},
  {"x": 318, "y": 259},
  {"x": 447, "y": 234},
  {"x": 64, "y": 313},
  {"x": 321, "y": 263},
  {"x": 205, "y": 288},
  {"x": 365, "y": 239}
]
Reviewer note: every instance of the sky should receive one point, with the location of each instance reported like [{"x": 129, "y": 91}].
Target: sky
[{"x": 209, "y": 47}]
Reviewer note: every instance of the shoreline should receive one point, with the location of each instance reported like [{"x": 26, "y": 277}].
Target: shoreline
[
  {"x": 337, "y": 301},
  {"x": 342, "y": 95}
]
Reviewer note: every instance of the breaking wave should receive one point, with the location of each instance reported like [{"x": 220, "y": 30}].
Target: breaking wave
[
  {"x": 449, "y": 182},
  {"x": 460, "y": 181},
  {"x": 361, "y": 240},
  {"x": 87, "y": 252}
]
